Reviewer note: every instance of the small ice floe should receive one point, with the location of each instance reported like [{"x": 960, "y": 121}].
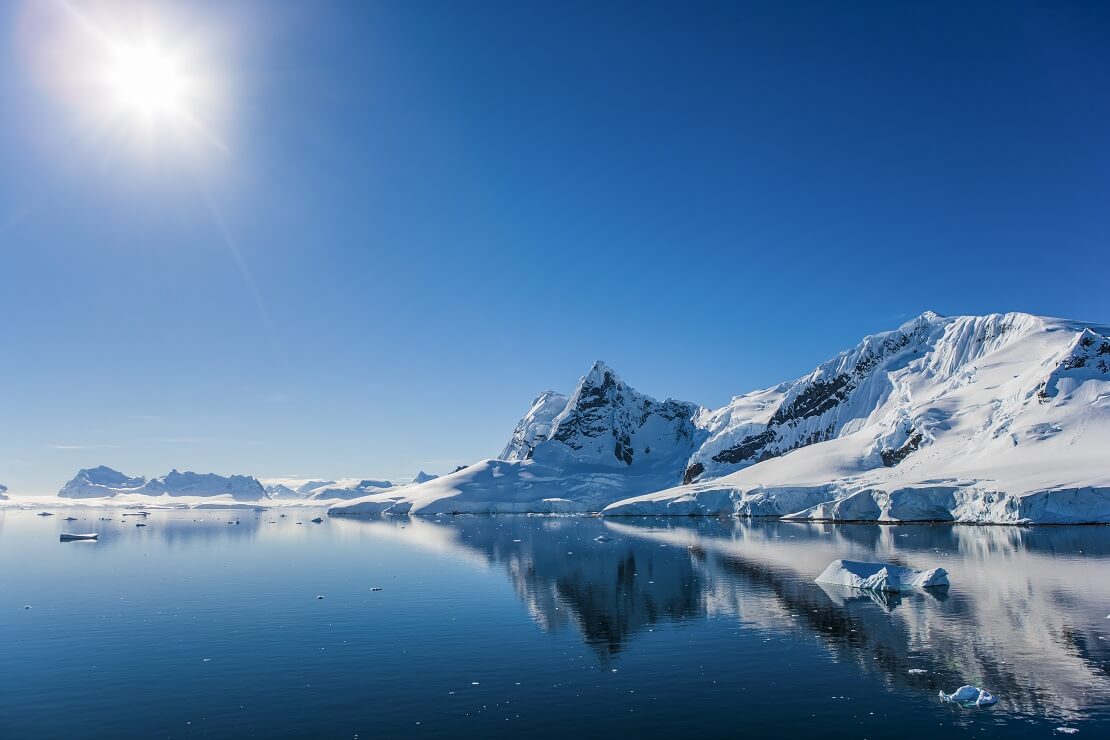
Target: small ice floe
[
  {"x": 70, "y": 519},
  {"x": 916, "y": 671},
  {"x": 1067, "y": 730},
  {"x": 319, "y": 596},
  {"x": 46, "y": 513},
  {"x": 71, "y": 536},
  {"x": 880, "y": 576},
  {"x": 140, "y": 524},
  {"x": 26, "y": 607},
  {"x": 317, "y": 520},
  {"x": 376, "y": 588},
  {"x": 969, "y": 696},
  {"x": 603, "y": 538}
]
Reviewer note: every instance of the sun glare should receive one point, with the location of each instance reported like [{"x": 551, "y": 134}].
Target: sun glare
[
  {"x": 150, "y": 81},
  {"x": 146, "y": 80}
]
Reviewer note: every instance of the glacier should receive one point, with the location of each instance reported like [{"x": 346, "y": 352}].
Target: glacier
[{"x": 998, "y": 419}]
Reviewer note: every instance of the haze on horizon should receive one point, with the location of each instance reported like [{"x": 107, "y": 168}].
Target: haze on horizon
[{"x": 356, "y": 239}]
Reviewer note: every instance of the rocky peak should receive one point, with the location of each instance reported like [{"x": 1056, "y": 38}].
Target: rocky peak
[{"x": 608, "y": 422}]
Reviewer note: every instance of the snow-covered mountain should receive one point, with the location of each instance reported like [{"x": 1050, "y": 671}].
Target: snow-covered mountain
[
  {"x": 607, "y": 441},
  {"x": 999, "y": 418},
  {"x": 104, "y": 482},
  {"x": 423, "y": 477},
  {"x": 281, "y": 491}
]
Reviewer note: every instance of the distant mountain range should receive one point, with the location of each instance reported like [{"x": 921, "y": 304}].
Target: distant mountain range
[
  {"x": 999, "y": 418},
  {"x": 102, "y": 482}
]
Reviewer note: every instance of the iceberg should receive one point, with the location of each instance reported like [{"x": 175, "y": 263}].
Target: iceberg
[
  {"x": 969, "y": 696},
  {"x": 880, "y": 576},
  {"x": 71, "y": 536}
]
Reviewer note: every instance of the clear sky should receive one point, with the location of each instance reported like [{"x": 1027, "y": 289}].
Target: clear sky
[{"x": 394, "y": 223}]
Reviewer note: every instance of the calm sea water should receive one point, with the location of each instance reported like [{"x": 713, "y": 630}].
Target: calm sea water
[{"x": 196, "y": 626}]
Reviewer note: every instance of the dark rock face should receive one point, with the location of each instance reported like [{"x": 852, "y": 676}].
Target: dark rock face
[
  {"x": 815, "y": 400},
  {"x": 692, "y": 473},
  {"x": 1091, "y": 351},
  {"x": 749, "y": 448},
  {"x": 604, "y": 406},
  {"x": 893, "y": 457},
  {"x": 793, "y": 425}
]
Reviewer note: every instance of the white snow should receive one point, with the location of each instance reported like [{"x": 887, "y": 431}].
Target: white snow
[
  {"x": 880, "y": 576},
  {"x": 534, "y": 427},
  {"x": 348, "y": 489}
]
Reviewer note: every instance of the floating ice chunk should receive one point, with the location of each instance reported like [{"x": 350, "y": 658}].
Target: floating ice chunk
[
  {"x": 880, "y": 576},
  {"x": 603, "y": 538},
  {"x": 70, "y": 519},
  {"x": 917, "y": 671},
  {"x": 1067, "y": 730},
  {"x": 45, "y": 513},
  {"x": 317, "y": 520},
  {"x": 71, "y": 536},
  {"x": 969, "y": 696},
  {"x": 376, "y": 588}
]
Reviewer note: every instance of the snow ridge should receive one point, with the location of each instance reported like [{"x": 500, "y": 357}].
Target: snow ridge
[{"x": 534, "y": 427}]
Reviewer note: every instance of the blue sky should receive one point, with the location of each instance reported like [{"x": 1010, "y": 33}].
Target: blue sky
[{"x": 425, "y": 213}]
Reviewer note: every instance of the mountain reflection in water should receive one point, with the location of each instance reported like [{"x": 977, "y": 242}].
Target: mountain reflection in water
[{"x": 1021, "y": 616}]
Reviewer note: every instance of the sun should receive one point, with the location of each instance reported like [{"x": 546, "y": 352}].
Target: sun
[
  {"x": 135, "y": 76},
  {"x": 146, "y": 81}
]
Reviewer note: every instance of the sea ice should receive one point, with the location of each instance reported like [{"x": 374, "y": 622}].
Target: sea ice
[
  {"x": 969, "y": 696},
  {"x": 880, "y": 576}
]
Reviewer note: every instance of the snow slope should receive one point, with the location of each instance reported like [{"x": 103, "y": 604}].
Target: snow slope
[
  {"x": 534, "y": 427},
  {"x": 104, "y": 482},
  {"x": 607, "y": 441},
  {"x": 1002, "y": 418}
]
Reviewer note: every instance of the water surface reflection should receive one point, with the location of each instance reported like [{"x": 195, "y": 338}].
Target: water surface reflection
[{"x": 1025, "y": 616}]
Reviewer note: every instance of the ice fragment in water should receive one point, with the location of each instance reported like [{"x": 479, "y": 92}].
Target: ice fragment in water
[
  {"x": 969, "y": 696},
  {"x": 880, "y": 576}
]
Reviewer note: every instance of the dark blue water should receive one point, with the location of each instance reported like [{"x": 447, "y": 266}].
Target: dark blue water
[{"x": 526, "y": 626}]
